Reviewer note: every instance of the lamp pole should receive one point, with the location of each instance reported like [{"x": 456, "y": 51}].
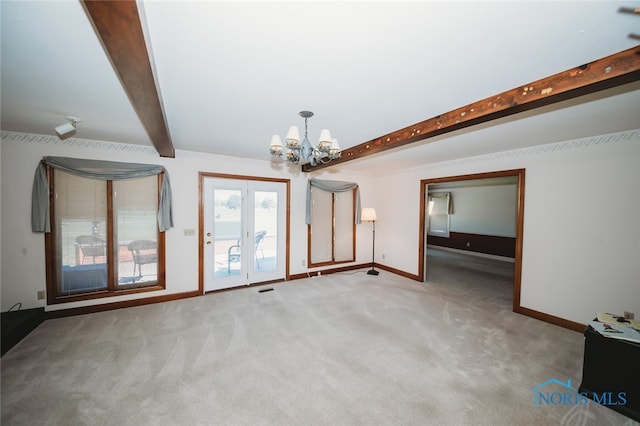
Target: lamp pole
[{"x": 373, "y": 271}]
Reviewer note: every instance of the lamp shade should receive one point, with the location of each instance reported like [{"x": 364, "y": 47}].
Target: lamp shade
[
  {"x": 293, "y": 136},
  {"x": 276, "y": 142},
  {"x": 368, "y": 214},
  {"x": 325, "y": 136},
  {"x": 276, "y": 145}
]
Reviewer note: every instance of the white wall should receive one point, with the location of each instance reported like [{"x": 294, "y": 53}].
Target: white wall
[
  {"x": 581, "y": 236},
  {"x": 581, "y": 244},
  {"x": 484, "y": 210},
  {"x": 23, "y": 259}
]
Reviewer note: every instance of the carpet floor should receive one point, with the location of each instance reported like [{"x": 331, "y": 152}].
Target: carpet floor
[{"x": 341, "y": 349}]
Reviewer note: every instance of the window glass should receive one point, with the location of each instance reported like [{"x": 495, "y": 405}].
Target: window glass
[
  {"x": 332, "y": 228},
  {"x": 135, "y": 202},
  {"x": 80, "y": 212},
  {"x": 343, "y": 234},
  {"x": 266, "y": 226},
  {"x": 438, "y": 209},
  {"x": 104, "y": 236},
  {"x": 321, "y": 233}
]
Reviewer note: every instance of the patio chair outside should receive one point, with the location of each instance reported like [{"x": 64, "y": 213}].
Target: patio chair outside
[
  {"x": 91, "y": 246},
  {"x": 143, "y": 252},
  {"x": 233, "y": 254}
]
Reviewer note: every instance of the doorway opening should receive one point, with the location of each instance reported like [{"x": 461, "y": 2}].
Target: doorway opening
[
  {"x": 448, "y": 255},
  {"x": 244, "y": 231}
]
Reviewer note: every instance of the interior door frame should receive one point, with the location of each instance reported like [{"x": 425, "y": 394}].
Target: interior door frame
[
  {"x": 520, "y": 174},
  {"x": 201, "y": 219}
]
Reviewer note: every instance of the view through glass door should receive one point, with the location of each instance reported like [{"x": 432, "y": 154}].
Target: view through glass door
[{"x": 244, "y": 232}]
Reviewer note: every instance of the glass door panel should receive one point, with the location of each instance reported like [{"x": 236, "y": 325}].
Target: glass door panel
[
  {"x": 266, "y": 226},
  {"x": 227, "y": 224}
]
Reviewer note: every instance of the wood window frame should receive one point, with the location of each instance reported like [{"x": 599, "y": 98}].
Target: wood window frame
[
  {"x": 113, "y": 289},
  {"x": 353, "y": 236}
]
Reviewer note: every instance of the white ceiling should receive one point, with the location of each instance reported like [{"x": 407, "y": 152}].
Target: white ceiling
[{"x": 231, "y": 74}]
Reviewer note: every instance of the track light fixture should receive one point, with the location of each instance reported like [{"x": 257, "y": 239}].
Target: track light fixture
[{"x": 67, "y": 129}]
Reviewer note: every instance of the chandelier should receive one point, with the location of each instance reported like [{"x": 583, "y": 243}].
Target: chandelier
[{"x": 326, "y": 150}]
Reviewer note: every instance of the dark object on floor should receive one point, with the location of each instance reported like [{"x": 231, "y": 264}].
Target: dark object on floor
[
  {"x": 17, "y": 324},
  {"x": 611, "y": 367},
  {"x": 265, "y": 289}
]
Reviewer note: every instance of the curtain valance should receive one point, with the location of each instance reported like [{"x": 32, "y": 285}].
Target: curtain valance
[
  {"x": 332, "y": 186},
  {"x": 95, "y": 169}
]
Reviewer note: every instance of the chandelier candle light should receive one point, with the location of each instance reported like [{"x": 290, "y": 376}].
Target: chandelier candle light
[{"x": 326, "y": 150}]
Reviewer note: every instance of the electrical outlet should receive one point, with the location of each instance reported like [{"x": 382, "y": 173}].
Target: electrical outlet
[
  {"x": 189, "y": 232},
  {"x": 629, "y": 315},
  {"x": 41, "y": 295},
  {"x": 304, "y": 263},
  {"x": 468, "y": 244}
]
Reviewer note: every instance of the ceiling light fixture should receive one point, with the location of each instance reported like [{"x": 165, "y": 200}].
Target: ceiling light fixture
[
  {"x": 67, "y": 129},
  {"x": 326, "y": 150}
]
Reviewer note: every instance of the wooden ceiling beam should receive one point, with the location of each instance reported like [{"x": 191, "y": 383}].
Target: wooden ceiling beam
[
  {"x": 611, "y": 71},
  {"x": 120, "y": 30}
]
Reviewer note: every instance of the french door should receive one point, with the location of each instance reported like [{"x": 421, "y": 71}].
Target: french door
[{"x": 244, "y": 230}]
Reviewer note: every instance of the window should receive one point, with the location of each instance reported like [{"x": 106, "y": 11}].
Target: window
[
  {"x": 439, "y": 208},
  {"x": 332, "y": 229},
  {"x": 104, "y": 238}
]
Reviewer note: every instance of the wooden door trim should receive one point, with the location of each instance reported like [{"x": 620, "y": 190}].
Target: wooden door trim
[
  {"x": 520, "y": 174},
  {"x": 201, "y": 177}
]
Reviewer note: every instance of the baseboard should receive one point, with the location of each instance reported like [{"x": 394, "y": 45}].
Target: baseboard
[
  {"x": 571, "y": 325},
  {"x": 398, "y": 272},
  {"x": 310, "y": 274},
  {"x": 119, "y": 305},
  {"x": 261, "y": 283}
]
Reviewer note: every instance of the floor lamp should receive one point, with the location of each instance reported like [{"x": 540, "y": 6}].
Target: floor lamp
[{"x": 369, "y": 215}]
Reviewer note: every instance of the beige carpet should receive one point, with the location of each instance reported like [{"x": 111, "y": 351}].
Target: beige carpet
[{"x": 342, "y": 349}]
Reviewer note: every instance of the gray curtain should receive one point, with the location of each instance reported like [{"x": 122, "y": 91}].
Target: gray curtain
[
  {"x": 95, "y": 169},
  {"x": 332, "y": 186}
]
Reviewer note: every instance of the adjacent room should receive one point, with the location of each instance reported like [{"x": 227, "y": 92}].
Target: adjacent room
[
  {"x": 471, "y": 228},
  {"x": 346, "y": 212}
]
